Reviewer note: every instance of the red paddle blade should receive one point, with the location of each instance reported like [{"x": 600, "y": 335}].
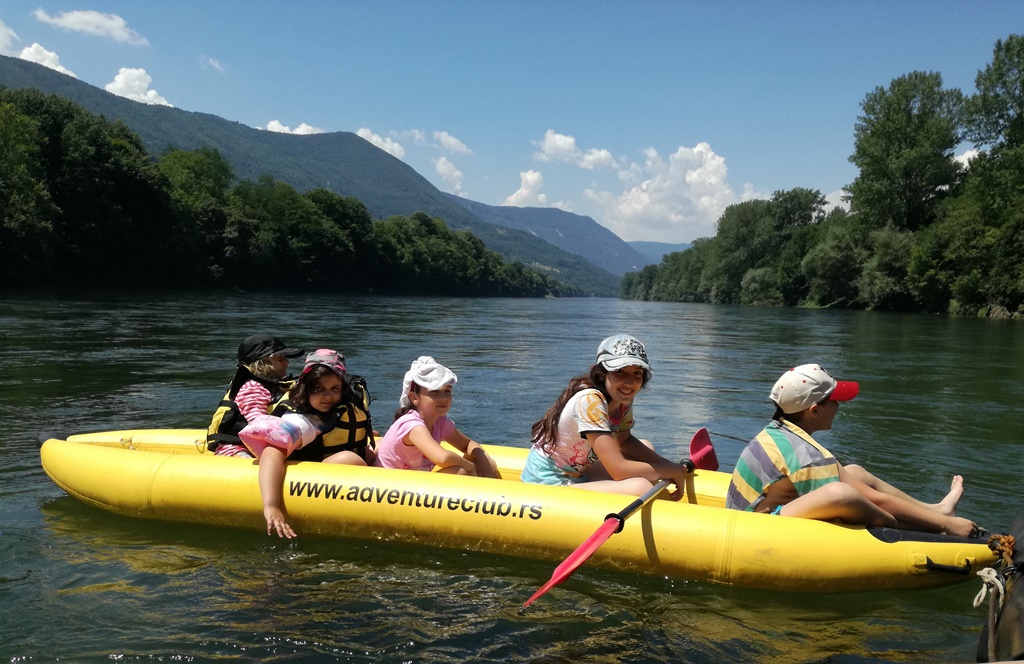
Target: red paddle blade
[
  {"x": 702, "y": 452},
  {"x": 577, "y": 557}
]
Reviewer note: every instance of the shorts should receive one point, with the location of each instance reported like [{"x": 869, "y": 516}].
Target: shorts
[{"x": 540, "y": 469}]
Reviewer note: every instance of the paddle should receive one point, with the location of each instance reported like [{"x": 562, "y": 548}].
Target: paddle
[
  {"x": 702, "y": 455},
  {"x": 702, "y": 452}
]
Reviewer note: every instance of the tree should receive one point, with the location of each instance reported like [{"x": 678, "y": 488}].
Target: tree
[
  {"x": 25, "y": 205},
  {"x": 883, "y": 282},
  {"x": 834, "y": 263},
  {"x": 995, "y": 115},
  {"x": 903, "y": 146},
  {"x": 199, "y": 184},
  {"x": 351, "y": 216},
  {"x": 283, "y": 241}
]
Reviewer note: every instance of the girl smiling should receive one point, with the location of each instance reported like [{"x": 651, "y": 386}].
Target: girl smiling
[{"x": 586, "y": 438}]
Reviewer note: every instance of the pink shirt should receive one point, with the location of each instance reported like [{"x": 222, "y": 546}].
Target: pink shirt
[{"x": 393, "y": 453}]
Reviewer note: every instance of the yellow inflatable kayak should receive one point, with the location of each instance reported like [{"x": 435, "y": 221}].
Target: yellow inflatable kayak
[{"x": 168, "y": 475}]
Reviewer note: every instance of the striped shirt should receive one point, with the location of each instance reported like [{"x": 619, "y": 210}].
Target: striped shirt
[
  {"x": 781, "y": 450},
  {"x": 253, "y": 400}
]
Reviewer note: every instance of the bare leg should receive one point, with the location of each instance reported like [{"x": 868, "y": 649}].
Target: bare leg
[
  {"x": 634, "y": 486},
  {"x": 347, "y": 458},
  {"x": 838, "y": 501},
  {"x": 946, "y": 506}
]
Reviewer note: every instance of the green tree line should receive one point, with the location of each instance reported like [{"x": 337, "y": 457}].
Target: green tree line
[
  {"x": 924, "y": 231},
  {"x": 83, "y": 204}
]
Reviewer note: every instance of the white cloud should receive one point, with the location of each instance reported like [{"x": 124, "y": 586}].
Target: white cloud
[
  {"x": 303, "y": 128},
  {"x": 562, "y": 147},
  {"x": 94, "y": 23},
  {"x": 212, "y": 63},
  {"x": 835, "y": 199},
  {"x": 133, "y": 83},
  {"x": 681, "y": 198},
  {"x": 528, "y": 194},
  {"x": 39, "y": 55},
  {"x": 389, "y": 145},
  {"x": 7, "y": 39},
  {"x": 450, "y": 174},
  {"x": 751, "y": 194},
  {"x": 415, "y": 135},
  {"x": 965, "y": 158},
  {"x": 450, "y": 143}
]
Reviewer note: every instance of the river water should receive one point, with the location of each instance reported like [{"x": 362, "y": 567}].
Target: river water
[{"x": 939, "y": 396}]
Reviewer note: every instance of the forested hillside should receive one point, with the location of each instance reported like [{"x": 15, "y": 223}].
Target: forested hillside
[
  {"x": 83, "y": 204},
  {"x": 925, "y": 232},
  {"x": 340, "y": 162}
]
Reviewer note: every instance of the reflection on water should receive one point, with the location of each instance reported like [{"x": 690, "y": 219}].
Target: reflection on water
[{"x": 939, "y": 396}]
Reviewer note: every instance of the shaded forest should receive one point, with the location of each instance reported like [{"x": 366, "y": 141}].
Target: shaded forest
[
  {"x": 83, "y": 204},
  {"x": 924, "y": 231}
]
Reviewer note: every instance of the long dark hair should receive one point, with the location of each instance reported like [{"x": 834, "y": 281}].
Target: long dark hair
[
  {"x": 545, "y": 430},
  {"x": 299, "y": 394}
]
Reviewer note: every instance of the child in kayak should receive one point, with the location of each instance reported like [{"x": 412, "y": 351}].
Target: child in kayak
[
  {"x": 421, "y": 421},
  {"x": 322, "y": 396},
  {"x": 259, "y": 381},
  {"x": 586, "y": 438},
  {"x": 785, "y": 471}
]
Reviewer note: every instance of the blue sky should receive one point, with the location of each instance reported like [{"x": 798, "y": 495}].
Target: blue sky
[{"x": 650, "y": 117}]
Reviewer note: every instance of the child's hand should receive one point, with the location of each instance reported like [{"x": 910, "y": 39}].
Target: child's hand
[
  {"x": 277, "y": 522},
  {"x": 678, "y": 476}
]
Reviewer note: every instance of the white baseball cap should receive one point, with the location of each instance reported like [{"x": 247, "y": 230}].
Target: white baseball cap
[{"x": 803, "y": 386}]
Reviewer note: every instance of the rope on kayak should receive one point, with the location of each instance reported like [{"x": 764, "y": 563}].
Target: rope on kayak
[
  {"x": 996, "y": 582},
  {"x": 1004, "y": 546},
  {"x": 993, "y": 580}
]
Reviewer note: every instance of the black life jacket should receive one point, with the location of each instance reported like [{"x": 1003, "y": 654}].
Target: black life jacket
[
  {"x": 227, "y": 419},
  {"x": 347, "y": 427}
]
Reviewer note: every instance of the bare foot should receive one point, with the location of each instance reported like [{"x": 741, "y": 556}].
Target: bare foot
[{"x": 948, "y": 504}]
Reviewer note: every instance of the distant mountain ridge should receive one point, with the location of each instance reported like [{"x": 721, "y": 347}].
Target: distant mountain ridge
[
  {"x": 653, "y": 251},
  {"x": 570, "y": 232},
  {"x": 339, "y": 161}
]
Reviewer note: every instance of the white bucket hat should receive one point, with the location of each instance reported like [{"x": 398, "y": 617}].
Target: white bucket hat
[{"x": 426, "y": 373}]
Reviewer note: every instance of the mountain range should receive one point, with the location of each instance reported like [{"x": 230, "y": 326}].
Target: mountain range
[
  {"x": 653, "y": 251},
  {"x": 569, "y": 247},
  {"x": 570, "y": 232}
]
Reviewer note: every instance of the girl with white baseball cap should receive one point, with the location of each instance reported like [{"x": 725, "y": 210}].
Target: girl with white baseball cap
[
  {"x": 785, "y": 471},
  {"x": 586, "y": 438}
]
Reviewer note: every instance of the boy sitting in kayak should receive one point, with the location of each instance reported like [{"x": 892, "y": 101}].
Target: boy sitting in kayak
[{"x": 785, "y": 471}]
